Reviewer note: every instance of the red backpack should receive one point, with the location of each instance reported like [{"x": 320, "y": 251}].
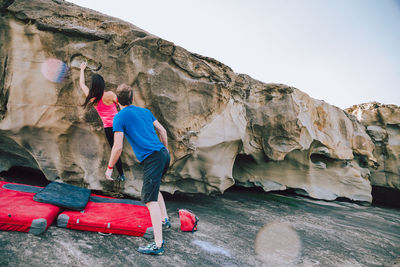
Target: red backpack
[{"x": 188, "y": 220}]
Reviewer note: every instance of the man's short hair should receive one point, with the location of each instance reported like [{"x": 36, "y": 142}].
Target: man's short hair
[{"x": 124, "y": 94}]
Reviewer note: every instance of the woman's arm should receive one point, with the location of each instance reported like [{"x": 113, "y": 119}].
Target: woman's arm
[{"x": 82, "y": 84}]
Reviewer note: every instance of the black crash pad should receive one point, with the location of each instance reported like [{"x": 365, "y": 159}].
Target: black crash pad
[{"x": 64, "y": 195}]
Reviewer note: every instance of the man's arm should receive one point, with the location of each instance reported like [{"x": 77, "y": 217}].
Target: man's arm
[
  {"x": 163, "y": 133},
  {"x": 115, "y": 152}
]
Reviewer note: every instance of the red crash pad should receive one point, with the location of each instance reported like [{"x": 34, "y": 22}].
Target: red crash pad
[
  {"x": 19, "y": 212},
  {"x": 109, "y": 215}
]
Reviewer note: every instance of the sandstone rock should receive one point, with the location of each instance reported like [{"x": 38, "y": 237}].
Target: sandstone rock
[
  {"x": 224, "y": 128},
  {"x": 377, "y": 133},
  {"x": 383, "y": 125}
]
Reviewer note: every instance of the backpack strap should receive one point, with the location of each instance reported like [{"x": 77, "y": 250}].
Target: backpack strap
[{"x": 195, "y": 223}]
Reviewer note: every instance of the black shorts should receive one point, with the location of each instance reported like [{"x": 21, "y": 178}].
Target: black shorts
[{"x": 154, "y": 167}]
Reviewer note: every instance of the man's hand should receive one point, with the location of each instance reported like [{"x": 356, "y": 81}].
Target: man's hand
[{"x": 108, "y": 174}]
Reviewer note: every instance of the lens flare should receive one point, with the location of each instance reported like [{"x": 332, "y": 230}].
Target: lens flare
[
  {"x": 54, "y": 70},
  {"x": 278, "y": 244}
]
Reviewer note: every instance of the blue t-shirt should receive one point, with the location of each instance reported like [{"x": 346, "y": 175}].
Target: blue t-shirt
[{"x": 137, "y": 125}]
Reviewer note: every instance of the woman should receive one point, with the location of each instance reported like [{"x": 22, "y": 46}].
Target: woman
[{"x": 105, "y": 104}]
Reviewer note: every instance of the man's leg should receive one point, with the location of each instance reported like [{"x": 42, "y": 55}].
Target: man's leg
[
  {"x": 161, "y": 201},
  {"x": 163, "y": 209},
  {"x": 151, "y": 196},
  {"x": 155, "y": 215}
]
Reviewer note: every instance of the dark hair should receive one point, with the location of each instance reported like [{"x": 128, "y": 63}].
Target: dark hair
[
  {"x": 124, "y": 94},
  {"x": 96, "y": 89}
]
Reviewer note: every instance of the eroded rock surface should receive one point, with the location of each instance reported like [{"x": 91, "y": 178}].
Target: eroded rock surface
[
  {"x": 383, "y": 125},
  {"x": 224, "y": 128}
]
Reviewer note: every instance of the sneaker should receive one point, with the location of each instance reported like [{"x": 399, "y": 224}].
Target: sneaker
[
  {"x": 166, "y": 224},
  {"x": 152, "y": 249},
  {"x": 121, "y": 178}
]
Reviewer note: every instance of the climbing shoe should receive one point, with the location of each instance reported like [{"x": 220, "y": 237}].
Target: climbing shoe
[
  {"x": 121, "y": 178},
  {"x": 152, "y": 249},
  {"x": 166, "y": 224}
]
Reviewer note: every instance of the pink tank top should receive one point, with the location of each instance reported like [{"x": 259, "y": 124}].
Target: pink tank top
[{"x": 106, "y": 112}]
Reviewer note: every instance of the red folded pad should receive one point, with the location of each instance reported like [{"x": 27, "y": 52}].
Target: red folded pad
[
  {"x": 109, "y": 215},
  {"x": 19, "y": 212}
]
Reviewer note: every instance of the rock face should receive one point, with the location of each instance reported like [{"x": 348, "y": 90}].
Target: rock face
[
  {"x": 383, "y": 125},
  {"x": 224, "y": 128}
]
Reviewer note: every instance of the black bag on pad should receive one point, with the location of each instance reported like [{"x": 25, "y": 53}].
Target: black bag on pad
[{"x": 64, "y": 195}]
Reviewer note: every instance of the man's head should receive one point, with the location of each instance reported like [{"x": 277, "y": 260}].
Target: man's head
[{"x": 124, "y": 94}]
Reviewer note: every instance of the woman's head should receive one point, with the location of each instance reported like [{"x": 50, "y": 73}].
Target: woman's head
[{"x": 96, "y": 90}]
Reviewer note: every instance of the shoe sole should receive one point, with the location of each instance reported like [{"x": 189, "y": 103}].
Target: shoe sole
[{"x": 151, "y": 253}]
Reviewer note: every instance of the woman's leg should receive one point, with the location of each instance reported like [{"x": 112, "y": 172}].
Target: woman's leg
[{"x": 110, "y": 138}]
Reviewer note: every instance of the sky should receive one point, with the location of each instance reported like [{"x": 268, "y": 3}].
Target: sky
[{"x": 344, "y": 52}]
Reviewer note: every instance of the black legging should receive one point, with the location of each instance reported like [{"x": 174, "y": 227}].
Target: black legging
[{"x": 110, "y": 137}]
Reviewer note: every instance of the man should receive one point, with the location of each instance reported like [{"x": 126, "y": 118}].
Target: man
[{"x": 139, "y": 126}]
